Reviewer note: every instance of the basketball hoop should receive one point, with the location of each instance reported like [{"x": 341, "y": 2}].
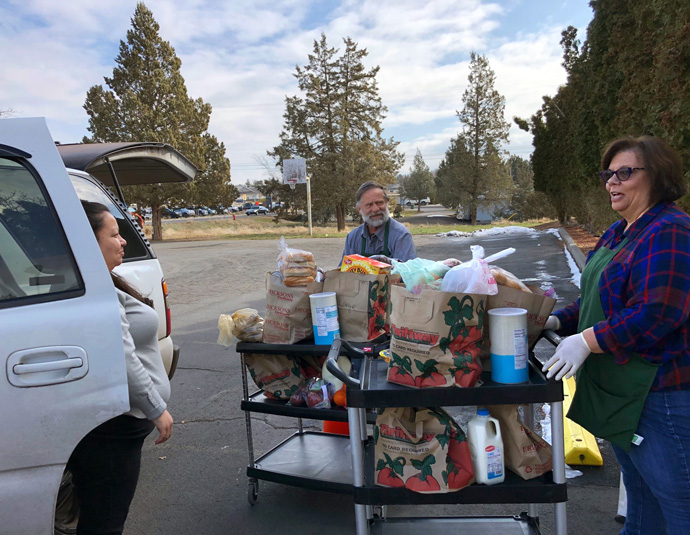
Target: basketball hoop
[{"x": 291, "y": 183}]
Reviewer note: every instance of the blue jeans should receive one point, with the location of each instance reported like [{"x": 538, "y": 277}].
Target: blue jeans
[{"x": 657, "y": 472}]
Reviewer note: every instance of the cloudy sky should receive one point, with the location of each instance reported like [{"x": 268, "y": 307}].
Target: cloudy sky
[{"x": 240, "y": 57}]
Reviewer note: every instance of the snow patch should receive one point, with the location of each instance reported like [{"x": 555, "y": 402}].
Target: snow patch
[
  {"x": 573, "y": 267},
  {"x": 495, "y": 231}
]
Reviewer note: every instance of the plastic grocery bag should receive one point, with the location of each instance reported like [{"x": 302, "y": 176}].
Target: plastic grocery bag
[
  {"x": 244, "y": 325},
  {"x": 296, "y": 265},
  {"x": 473, "y": 277},
  {"x": 419, "y": 273}
]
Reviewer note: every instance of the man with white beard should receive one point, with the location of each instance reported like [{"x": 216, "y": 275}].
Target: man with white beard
[{"x": 379, "y": 237}]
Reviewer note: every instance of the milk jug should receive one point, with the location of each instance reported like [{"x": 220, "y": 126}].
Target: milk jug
[{"x": 486, "y": 448}]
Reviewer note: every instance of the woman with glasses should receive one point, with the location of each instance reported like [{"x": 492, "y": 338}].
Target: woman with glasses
[{"x": 631, "y": 350}]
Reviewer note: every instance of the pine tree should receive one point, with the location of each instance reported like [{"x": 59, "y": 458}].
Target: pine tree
[
  {"x": 212, "y": 186},
  {"x": 452, "y": 174},
  {"x": 146, "y": 100},
  {"x": 336, "y": 127},
  {"x": 419, "y": 183},
  {"x": 484, "y": 130}
]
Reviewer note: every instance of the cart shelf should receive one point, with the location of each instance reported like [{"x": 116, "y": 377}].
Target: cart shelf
[
  {"x": 258, "y": 402},
  {"x": 491, "y": 525},
  {"x": 513, "y": 490},
  {"x": 313, "y": 460},
  {"x": 380, "y": 393}
]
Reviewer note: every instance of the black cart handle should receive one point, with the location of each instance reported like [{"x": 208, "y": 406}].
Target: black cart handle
[
  {"x": 551, "y": 337},
  {"x": 332, "y": 361}
]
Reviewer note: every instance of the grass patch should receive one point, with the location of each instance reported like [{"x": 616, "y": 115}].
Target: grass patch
[{"x": 264, "y": 228}]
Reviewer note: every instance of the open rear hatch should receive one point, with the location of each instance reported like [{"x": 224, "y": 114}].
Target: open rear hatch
[{"x": 129, "y": 164}]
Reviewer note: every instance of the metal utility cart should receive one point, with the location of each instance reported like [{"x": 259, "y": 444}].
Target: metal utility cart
[
  {"x": 309, "y": 459},
  {"x": 371, "y": 390}
]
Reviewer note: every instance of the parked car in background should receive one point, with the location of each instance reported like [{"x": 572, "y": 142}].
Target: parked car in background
[
  {"x": 202, "y": 211},
  {"x": 167, "y": 212},
  {"x": 248, "y": 205},
  {"x": 413, "y": 202},
  {"x": 62, "y": 347},
  {"x": 257, "y": 210},
  {"x": 184, "y": 212}
]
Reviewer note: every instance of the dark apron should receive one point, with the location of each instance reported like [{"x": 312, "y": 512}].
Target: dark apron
[
  {"x": 609, "y": 397},
  {"x": 386, "y": 251}
]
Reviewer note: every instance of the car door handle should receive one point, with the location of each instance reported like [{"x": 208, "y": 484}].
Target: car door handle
[
  {"x": 48, "y": 365},
  {"x": 53, "y": 365}
]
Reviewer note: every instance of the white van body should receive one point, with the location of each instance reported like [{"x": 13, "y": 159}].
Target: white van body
[{"x": 60, "y": 334}]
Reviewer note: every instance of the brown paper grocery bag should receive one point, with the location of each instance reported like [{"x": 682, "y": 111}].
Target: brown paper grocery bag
[
  {"x": 423, "y": 450},
  {"x": 538, "y": 308},
  {"x": 277, "y": 375},
  {"x": 362, "y": 302},
  {"x": 288, "y": 310},
  {"x": 435, "y": 338},
  {"x": 526, "y": 453}
]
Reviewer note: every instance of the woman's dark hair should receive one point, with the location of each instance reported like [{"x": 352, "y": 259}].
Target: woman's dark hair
[
  {"x": 94, "y": 213},
  {"x": 660, "y": 161}
]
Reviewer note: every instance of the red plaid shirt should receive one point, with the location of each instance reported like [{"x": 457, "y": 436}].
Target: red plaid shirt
[{"x": 645, "y": 294}]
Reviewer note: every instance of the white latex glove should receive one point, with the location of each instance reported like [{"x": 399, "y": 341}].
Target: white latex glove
[
  {"x": 569, "y": 356},
  {"x": 553, "y": 323}
]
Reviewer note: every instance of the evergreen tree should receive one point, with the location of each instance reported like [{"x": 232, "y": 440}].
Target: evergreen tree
[
  {"x": 523, "y": 182},
  {"x": 627, "y": 79},
  {"x": 484, "y": 130},
  {"x": 336, "y": 127},
  {"x": 419, "y": 183},
  {"x": 213, "y": 186},
  {"x": 146, "y": 100}
]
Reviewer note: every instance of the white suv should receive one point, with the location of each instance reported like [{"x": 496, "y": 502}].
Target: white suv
[
  {"x": 60, "y": 334},
  {"x": 126, "y": 164}
]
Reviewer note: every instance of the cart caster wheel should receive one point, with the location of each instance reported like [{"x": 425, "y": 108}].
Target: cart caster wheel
[
  {"x": 380, "y": 511},
  {"x": 253, "y": 492}
]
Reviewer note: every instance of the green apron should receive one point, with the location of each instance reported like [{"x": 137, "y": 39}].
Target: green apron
[
  {"x": 609, "y": 397},
  {"x": 386, "y": 251}
]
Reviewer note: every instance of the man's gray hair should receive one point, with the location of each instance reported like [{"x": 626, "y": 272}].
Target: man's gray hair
[{"x": 366, "y": 187}]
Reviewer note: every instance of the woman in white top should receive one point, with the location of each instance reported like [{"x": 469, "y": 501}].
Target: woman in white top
[{"x": 105, "y": 464}]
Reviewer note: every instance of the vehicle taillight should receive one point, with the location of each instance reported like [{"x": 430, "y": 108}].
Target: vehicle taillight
[{"x": 168, "y": 322}]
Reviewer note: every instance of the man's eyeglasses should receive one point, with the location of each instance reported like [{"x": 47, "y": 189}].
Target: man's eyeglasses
[{"x": 623, "y": 173}]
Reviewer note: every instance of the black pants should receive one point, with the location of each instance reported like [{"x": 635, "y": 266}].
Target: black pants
[{"x": 105, "y": 470}]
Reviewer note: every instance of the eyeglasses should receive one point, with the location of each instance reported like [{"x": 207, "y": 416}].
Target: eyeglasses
[{"x": 623, "y": 173}]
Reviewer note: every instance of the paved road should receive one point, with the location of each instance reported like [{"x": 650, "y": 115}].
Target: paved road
[{"x": 196, "y": 483}]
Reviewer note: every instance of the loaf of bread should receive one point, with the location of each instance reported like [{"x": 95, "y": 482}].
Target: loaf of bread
[
  {"x": 506, "y": 278},
  {"x": 298, "y": 281}
]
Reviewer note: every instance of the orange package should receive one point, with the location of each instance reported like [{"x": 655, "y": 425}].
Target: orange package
[{"x": 361, "y": 264}]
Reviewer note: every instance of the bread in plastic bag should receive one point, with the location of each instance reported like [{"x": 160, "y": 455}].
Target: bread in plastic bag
[
  {"x": 244, "y": 325},
  {"x": 297, "y": 266},
  {"x": 473, "y": 277},
  {"x": 506, "y": 278}
]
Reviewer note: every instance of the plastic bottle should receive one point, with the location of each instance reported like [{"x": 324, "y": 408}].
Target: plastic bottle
[{"x": 486, "y": 448}]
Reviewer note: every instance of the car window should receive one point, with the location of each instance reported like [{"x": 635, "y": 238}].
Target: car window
[
  {"x": 89, "y": 191},
  {"x": 36, "y": 263}
]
